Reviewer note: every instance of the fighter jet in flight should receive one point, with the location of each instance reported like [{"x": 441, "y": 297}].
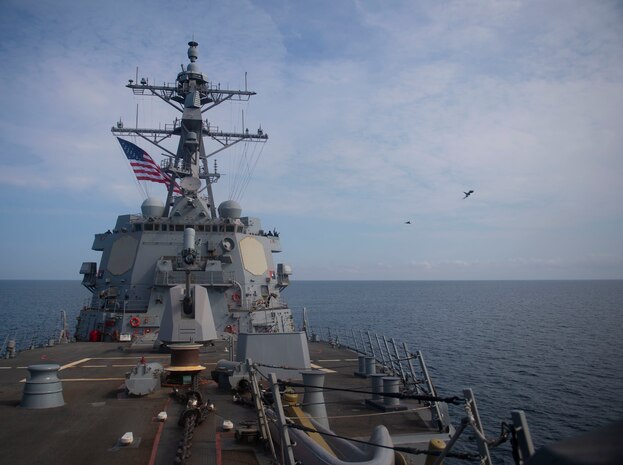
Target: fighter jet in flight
[{"x": 467, "y": 194}]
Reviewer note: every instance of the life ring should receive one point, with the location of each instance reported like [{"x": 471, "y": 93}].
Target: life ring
[
  {"x": 235, "y": 297},
  {"x": 135, "y": 321}
]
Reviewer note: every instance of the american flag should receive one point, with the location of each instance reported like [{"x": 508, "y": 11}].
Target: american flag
[{"x": 144, "y": 166}]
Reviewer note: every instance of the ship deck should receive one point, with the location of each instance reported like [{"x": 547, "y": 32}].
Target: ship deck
[{"x": 98, "y": 411}]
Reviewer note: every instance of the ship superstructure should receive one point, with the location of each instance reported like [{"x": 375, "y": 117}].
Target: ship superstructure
[{"x": 143, "y": 256}]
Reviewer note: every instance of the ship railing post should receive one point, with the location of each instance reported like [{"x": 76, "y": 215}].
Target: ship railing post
[
  {"x": 64, "y": 333},
  {"x": 471, "y": 408},
  {"x": 524, "y": 438},
  {"x": 348, "y": 339},
  {"x": 431, "y": 387},
  {"x": 451, "y": 442},
  {"x": 343, "y": 338},
  {"x": 410, "y": 363},
  {"x": 371, "y": 346},
  {"x": 402, "y": 372},
  {"x": 429, "y": 382},
  {"x": 286, "y": 445},
  {"x": 306, "y": 324},
  {"x": 378, "y": 343},
  {"x": 259, "y": 407},
  {"x": 354, "y": 341},
  {"x": 391, "y": 359},
  {"x": 363, "y": 343}
]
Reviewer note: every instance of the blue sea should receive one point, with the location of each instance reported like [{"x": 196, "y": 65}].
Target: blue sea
[{"x": 551, "y": 348}]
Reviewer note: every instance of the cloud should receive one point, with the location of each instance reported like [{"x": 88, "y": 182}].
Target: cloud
[{"x": 375, "y": 115}]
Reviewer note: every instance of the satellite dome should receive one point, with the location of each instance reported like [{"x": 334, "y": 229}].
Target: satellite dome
[
  {"x": 153, "y": 207},
  {"x": 229, "y": 209}
]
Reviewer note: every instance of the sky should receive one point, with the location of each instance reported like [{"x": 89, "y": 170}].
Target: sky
[{"x": 377, "y": 113}]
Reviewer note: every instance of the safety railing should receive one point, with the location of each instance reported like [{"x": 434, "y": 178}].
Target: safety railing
[
  {"x": 394, "y": 358},
  {"x": 45, "y": 333}
]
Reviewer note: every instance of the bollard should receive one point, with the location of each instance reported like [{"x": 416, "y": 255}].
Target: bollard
[
  {"x": 377, "y": 386},
  {"x": 370, "y": 363},
  {"x": 43, "y": 389},
  {"x": 391, "y": 386},
  {"x": 313, "y": 399},
  {"x": 361, "y": 360}
]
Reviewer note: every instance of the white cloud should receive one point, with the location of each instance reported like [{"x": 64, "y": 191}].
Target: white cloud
[{"x": 389, "y": 116}]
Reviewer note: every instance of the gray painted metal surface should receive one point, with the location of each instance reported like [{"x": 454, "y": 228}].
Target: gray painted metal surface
[
  {"x": 313, "y": 400},
  {"x": 144, "y": 378},
  {"x": 184, "y": 270},
  {"x": 43, "y": 389}
]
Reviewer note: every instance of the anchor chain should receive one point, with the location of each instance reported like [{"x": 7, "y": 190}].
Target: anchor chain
[{"x": 194, "y": 414}]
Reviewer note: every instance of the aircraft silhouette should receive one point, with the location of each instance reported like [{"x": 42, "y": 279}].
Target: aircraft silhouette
[{"x": 467, "y": 194}]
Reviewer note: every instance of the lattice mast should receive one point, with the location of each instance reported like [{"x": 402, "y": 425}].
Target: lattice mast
[{"x": 192, "y": 95}]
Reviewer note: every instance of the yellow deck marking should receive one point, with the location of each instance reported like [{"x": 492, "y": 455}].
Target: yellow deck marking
[
  {"x": 304, "y": 420},
  {"x": 123, "y": 366},
  {"x": 318, "y": 367},
  {"x": 69, "y": 365},
  {"x": 73, "y": 364}
]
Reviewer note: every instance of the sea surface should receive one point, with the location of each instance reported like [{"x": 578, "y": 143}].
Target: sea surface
[{"x": 551, "y": 348}]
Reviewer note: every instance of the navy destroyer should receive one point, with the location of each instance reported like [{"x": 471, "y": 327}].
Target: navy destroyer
[
  {"x": 187, "y": 353},
  {"x": 213, "y": 262}
]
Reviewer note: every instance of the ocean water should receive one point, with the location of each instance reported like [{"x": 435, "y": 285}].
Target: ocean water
[
  {"x": 30, "y": 311},
  {"x": 551, "y": 348}
]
